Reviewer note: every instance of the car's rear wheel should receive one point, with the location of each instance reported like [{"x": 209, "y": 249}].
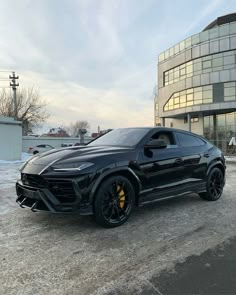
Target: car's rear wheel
[
  {"x": 35, "y": 152},
  {"x": 215, "y": 185},
  {"x": 114, "y": 201}
]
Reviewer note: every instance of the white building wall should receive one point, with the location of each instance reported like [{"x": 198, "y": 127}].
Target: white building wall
[
  {"x": 29, "y": 141},
  {"x": 196, "y": 127},
  {"x": 10, "y": 139}
]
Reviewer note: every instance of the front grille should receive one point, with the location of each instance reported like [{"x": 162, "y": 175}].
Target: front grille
[
  {"x": 33, "y": 180},
  {"x": 62, "y": 189}
]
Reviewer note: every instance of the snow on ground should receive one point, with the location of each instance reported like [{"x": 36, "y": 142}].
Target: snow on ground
[
  {"x": 24, "y": 157},
  {"x": 9, "y": 173},
  {"x": 230, "y": 159}
]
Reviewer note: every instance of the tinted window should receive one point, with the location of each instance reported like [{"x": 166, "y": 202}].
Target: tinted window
[
  {"x": 167, "y": 137},
  {"x": 121, "y": 137},
  {"x": 187, "y": 140},
  {"x": 41, "y": 146}
]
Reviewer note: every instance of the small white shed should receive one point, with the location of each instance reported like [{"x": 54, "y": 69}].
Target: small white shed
[{"x": 10, "y": 139}]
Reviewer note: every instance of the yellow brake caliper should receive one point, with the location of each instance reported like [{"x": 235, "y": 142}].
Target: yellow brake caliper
[{"x": 122, "y": 196}]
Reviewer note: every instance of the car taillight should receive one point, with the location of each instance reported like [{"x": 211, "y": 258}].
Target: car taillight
[{"x": 30, "y": 149}]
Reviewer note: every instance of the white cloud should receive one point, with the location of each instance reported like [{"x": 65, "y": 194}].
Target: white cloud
[{"x": 95, "y": 60}]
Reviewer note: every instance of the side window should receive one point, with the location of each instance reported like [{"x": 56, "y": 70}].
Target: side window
[
  {"x": 167, "y": 137},
  {"x": 187, "y": 140},
  {"x": 41, "y": 145}
]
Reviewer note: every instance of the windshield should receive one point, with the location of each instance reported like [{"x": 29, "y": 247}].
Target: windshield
[{"x": 121, "y": 137}]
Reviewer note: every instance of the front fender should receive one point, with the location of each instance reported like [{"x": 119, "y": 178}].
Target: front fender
[{"x": 110, "y": 172}]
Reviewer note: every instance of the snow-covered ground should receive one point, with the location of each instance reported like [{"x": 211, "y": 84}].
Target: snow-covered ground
[
  {"x": 9, "y": 173},
  {"x": 24, "y": 157},
  {"x": 230, "y": 159}
]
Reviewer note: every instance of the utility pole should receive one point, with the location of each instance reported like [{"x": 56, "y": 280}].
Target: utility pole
[{"x": 14, "y": 86}]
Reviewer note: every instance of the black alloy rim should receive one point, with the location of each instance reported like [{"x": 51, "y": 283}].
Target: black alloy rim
[
  {"x": 117, "y": 202},
  {"x": 216, "y": 184}
]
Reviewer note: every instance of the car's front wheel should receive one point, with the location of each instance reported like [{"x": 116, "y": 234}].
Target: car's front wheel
[
  {"x": 114, "y": 201},
  {"x": 214, "y": 185}
]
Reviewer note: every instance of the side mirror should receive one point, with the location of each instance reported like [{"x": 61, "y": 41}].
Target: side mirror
[{"x": 155, "y": 144}]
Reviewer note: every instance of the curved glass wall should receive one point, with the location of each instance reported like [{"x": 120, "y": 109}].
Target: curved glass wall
[
  {"x": 219, "y": 129},
  {"x": 190, "y": 97},
  {"x": 206, "y": 64},
  {"x": 220, "y": 31},
  {"x": 219, "y": 92}
]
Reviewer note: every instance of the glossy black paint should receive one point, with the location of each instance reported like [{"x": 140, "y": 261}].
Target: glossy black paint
[{"x": 156, "y": 173}]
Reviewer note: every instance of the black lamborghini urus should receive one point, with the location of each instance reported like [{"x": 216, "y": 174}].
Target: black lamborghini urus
[{"x": 120, "y": 170}]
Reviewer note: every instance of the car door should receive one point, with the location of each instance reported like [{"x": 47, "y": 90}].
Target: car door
[
  {"x": 40, "y": 148},
  {"x": 194, "y": 158},
  {"x": 161, "y": 169},
  {"x": 48, "y": 147}
]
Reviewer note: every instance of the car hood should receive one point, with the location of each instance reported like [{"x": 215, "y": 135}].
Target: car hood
[{"x": 74, "y": 154}]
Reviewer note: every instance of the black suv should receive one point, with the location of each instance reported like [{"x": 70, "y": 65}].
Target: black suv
[{"x": 121, "y": 169}]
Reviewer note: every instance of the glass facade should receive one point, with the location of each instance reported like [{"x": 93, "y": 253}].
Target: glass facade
[
  {"x": 219, "y": 129},
  {"x": 190, "y": 97},
  {"x": 218, "y": 32},
  {"x": 219, "y": 92},
  {"x": 206, "y": 64}
]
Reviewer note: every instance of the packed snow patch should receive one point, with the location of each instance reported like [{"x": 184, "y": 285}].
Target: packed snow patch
[{"x": 24, "y": 157}]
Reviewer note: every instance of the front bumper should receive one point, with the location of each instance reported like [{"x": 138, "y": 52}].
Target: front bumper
[{"x": 42, "y": 199}]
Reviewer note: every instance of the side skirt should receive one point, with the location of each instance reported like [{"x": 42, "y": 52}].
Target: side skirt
[{"x": 157, "y": 195}]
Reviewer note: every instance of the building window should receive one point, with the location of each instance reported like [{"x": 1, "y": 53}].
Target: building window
[
  {"x": 219, "y": 129},
  {"x": 206, "y": 64},
  {"x": 223, "y": 30},
  {"x": 194, "y": 119},
  {"x": 190, "y": 97},
  {"x": 202, "y": 95},
  {"x": 229, "y": 91}
]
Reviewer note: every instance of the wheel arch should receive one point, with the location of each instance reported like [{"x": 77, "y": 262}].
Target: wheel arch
[
  {"x": 216, "y": 164},
  {"x": 126, "y": 172}
]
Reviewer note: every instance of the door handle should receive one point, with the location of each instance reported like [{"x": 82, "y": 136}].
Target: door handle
[{"x": 179, "y": 161}]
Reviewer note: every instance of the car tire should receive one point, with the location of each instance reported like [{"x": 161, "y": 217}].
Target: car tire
[
  {"x": 35, "y": 152},
  {"x": 114, "y": 201},
  {"x": 214, "y": 185}
]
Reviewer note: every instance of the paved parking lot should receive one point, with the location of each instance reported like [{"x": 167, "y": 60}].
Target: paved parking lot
[{"x": 55, "y": 254}]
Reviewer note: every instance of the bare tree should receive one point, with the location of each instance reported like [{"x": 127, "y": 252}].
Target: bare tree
[
  {"x": 31, "y": 109},
  {"x": 74, "y": 128}
]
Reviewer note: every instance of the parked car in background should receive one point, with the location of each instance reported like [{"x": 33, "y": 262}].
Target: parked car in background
[
  {"x": 78, "y": 143},
  {"x": 66, "y": 144},
  {"x": 120, "y": 170},
  {"x": 40, "y": 148}
]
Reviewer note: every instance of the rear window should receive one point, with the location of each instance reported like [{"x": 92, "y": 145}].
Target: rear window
[{"x": 187, "y": 140}]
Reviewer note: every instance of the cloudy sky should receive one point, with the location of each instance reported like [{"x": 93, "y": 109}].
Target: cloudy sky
[{"x": 96, "y": 60}]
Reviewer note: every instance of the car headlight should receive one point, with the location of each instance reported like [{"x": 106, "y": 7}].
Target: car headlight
[{"x": 72, "y": 166}]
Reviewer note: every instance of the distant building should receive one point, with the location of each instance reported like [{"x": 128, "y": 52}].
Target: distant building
[
  {"x": 56, "y": 132},
  {"x": 197, "y": 83},
  {"x": 97, "y": 134},
  {"x": 11, "y": 139}
]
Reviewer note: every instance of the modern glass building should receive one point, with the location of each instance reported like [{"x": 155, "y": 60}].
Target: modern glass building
[{"x": 197, "y": 83}]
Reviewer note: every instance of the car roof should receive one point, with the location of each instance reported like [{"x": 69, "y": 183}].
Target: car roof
[{"x": 160, "y": 128}]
